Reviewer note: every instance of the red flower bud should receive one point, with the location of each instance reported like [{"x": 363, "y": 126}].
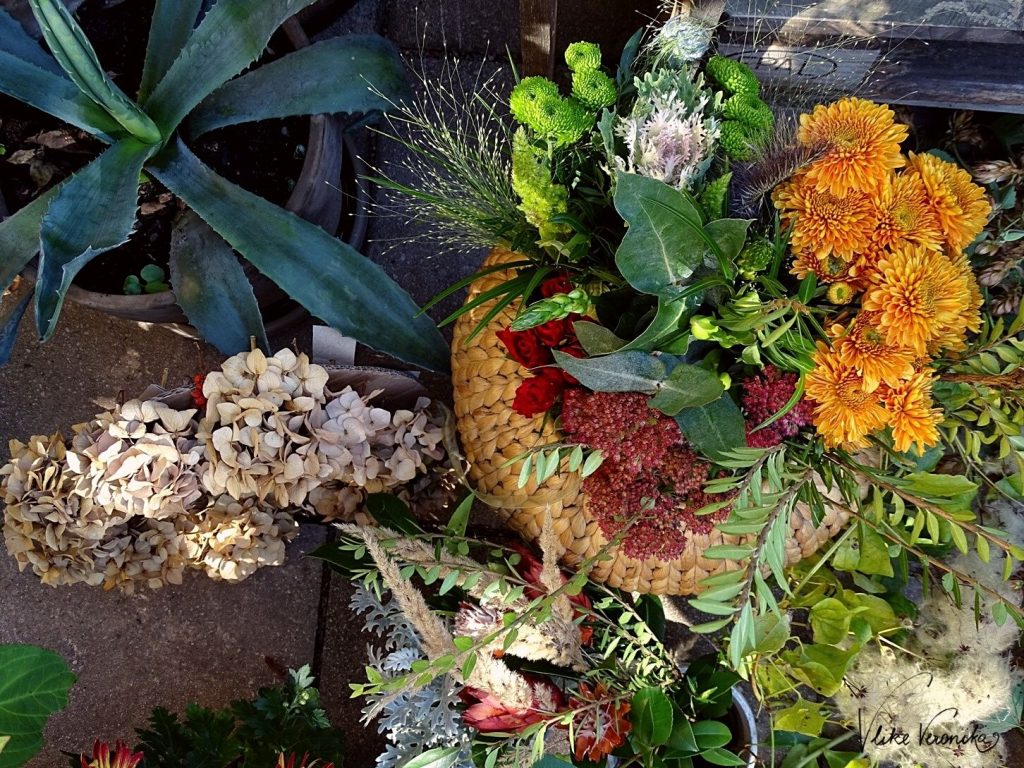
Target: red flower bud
[{"x": 525, "y": 347}]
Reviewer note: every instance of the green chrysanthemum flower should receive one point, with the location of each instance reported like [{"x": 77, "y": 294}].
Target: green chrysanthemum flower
[
  {"x": 755, "y": 257},
  {"x": 715, "y": 196},
  {"x": 754, "y": 114},
  {"x": 533, "y": 100},
  {"x": 541, "y": 197},
  {"x": 733, "y": 76},
  {"x": 735, "y": 142},
  {"x": 569, "y": 122},
  {"x": 583, "y": 57},
  {"x": 594, "y": 89}
]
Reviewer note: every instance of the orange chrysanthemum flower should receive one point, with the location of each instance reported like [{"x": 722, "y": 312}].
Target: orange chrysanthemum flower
[
  {"x": 844, "y": 413},
  {"x": 913, "y": 418},
  {"x": 859, "y": 141},
  {"x": 920, "y": 296},
  {"x": 959, "y": 204},
  {"x": 903, "y": 214},
  {"x": 823, "y": 223},
  {"x": 954, "y": 336},
  {"x": 863, "y": 346}
]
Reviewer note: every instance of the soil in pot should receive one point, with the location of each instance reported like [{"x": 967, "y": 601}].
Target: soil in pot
[{"x": 265, "y": 158}]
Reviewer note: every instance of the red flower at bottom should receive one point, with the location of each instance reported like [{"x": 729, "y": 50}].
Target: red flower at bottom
[
  {"x": 537, "y": 394},
  {"x": 601, "y": 724},
  {"x": 488, "y": 714},
  {"x": 289, "y": 762},
  {"x": 123, "y": 757}
]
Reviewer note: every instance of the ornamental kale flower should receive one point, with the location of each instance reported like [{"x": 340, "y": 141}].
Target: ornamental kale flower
[
  {"x": 669, "y": 135},
  {"x": 764, "y": 395},
  {"x": 682, "y": 40}
]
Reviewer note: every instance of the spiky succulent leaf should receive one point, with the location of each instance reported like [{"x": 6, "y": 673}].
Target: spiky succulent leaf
[
  {"x": 231, "y": 36},
  {"x": 93, "y": 212},
  {"x": 211, "y": 288},
  {"x": 75, "y": 54},
  {"x": 326, "y": 276},
  {"x": 9, "y": 322},
  {"x": 54, "y": 94},
  {"x": 19, "y": 238},
  {"x": 354, "y": 74},
  {"x": 173, "y": 22},
  {"x": 16, "y": 41}
]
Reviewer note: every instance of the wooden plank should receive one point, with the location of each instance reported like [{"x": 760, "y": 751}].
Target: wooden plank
[
  {"x": 537, "y": 20},
  {"x": 999, "y": 21}
]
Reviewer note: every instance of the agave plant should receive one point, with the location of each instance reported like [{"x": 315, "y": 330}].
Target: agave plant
[{"x": 189, "y": 87}]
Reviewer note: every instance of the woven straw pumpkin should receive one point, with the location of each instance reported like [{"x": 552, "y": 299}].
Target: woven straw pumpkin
[{"x": 485, "y": 382}]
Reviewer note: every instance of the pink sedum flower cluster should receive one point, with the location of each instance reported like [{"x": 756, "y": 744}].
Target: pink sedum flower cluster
[
  {"x": 766, "y": 394},
  {"x": 648, "y": 468}
]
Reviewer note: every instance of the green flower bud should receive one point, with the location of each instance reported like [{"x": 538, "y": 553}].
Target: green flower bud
[
  {"x": 582, "y": 57},
  {"x": 568, "y": 123},
  {"x": 733, "y": 76},
  {"x": 734, "y": 141},
  {"x": 751, "y": 112},
  {"x": 532, "y": 99},
  {"x": 755, "y": 257},
  {"x": 703, "y": 327},
  {"x": 714, "y": 198},
  {"x": 594, "y": 89},
  {"x": 554, "y": 308}
]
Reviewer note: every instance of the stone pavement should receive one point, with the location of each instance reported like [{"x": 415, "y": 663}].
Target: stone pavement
[{"x": 206, "y": 641}]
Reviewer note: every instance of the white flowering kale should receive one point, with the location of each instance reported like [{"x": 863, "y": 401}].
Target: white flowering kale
[
  {"x": 414, "y": 721},
  {"x": 682, "y": 40},
  {"x": 670, "y": 133}
]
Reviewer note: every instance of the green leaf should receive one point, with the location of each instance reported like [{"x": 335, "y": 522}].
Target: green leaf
[
  {"x": 75, "y": 54},
  {"x": 352, "y": 74},
  {"x": 459, "y": 520},
  {"x": 440, "y": 757},
  {"x": 550, "y": 761},
  {"x": 173, "y": 22},
  {"x": 392, "y": 512},
  {"x": 874, "y": 553},
  {"x": 830, "y": 621},
  {"x": 93, "y": 212},
  {"x": 211, "y": 288},
  {"x": 771, "y": 633},
  {"x": 687, "y": 386},
  {"x": 665, "y": 242},
  {"x": 719, "y": 756},
  {"x": 596, "y": 339},
  {"x": 328, "y": 277},
  {"x": 17, "y": 42},
  {"x": 802, "y": 717},
  {"x": 617, "y": 372},
  {"x": 231, "y": 36},
  {"x": 651, "y": 717},
  {"x": 730, "y": 234},
  {"x": 19, "y": 238},
  {"x": 729, "y": 551},
  {"x": 667, "y": 322},
  {"x": 55, "y": 95},
  {"x": 34, "y": 683},
  {"x": 715, "y": 428},
  {"x": 711, "y": 734},
  {"x": 9, "y": 324}
]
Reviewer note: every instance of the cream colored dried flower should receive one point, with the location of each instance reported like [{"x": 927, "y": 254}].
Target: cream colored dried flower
[
  {"x": 260, "y": 416},
  {"x": 997, "y": 172},
  {"x": 139, "y": 460},
  {"x": 232, "y": 539},
  {"x": 147, "y": 553}
]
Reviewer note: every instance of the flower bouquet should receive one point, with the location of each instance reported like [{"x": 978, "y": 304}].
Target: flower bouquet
[{"x": 718, "y": 352}]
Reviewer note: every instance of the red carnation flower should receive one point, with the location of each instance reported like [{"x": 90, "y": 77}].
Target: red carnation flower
[
  {"x": 557, "y": 284},
  {"x": 537, "y": 394},
  {"x": 525, "y": 347}
]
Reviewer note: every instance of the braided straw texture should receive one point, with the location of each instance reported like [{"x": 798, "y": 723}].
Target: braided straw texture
[{"x": 485, "y": 382}]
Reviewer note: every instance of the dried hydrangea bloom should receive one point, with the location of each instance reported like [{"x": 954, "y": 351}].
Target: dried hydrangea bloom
[
  {"x": 146, "y": 552},
  {"x": 232, "y": 539},
  {"x": 139, "y": 460},
  {"x": 260, "y": 416}
]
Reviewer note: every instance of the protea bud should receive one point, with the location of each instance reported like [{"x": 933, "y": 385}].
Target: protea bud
[{"x": 997, "y": 172}]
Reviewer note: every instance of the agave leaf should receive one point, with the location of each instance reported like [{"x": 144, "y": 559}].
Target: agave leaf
[
  {"x": 93, "y": 212},
  {"x": 328, "y": 277},
  {"x": 16, "y": 41},
  {"x": 75, "y": 54},
  {"x": 211, "y": 287},
  {"x": 19, "y": 237},
  {"x": 358, "y": 73},
  {"x": 56, "y": 95},
  {"x": 173, "y": 22},
  {"x": 9, "y": 323},
  {"x": 231, "y": 36}
]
